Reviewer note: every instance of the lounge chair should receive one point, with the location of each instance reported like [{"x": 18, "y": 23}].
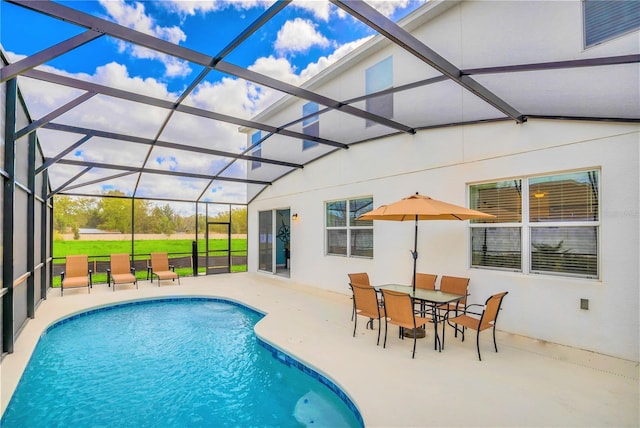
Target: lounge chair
[
  {"x": 161, "y": 269},
  {"x": 487, "y": 319},
  {"x": 120, "y": 271},
  {"x": 76, "y": 273}
]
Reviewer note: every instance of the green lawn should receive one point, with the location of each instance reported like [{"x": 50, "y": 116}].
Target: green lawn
[{"x": 143, "y": 248}]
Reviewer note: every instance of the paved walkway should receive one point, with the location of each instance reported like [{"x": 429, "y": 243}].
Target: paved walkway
[{"x": 528, "y": 383}]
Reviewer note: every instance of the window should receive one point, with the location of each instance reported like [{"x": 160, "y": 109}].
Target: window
[
  {"x": 347, "y": 236},
  {"x": 555, "y": 217},
  {"x": 310, "y": 125},
  {"x": 378, "y": 78},
  {"x": 257, "y": 150},
  {"x": 605, "y": 19}
]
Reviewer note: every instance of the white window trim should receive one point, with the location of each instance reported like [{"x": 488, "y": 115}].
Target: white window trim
[
  {"x": 526, "y": 225},
  {"x": 347, "y": 227}
]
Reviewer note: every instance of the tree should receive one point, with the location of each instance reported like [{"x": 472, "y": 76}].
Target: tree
[
  {"x": 72, "y": 213},
  {"x": 115, "y": 213}
]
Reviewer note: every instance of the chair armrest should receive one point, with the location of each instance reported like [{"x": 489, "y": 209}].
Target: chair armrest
[
  {"x": 466, "y": 311},
  {"x": 62, "y": 276},
  {"x": 133, "y": 271},
  {"x": 90, "y": 278},
  {"x": 109, "y": 276},
  {"x": 172, "y": 267}
]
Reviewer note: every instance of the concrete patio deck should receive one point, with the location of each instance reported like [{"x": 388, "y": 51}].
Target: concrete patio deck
[{"x": 528, "y": 383}]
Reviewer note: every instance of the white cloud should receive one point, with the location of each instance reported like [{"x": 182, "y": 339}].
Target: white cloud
[
  {"x": 278, "y": 68},
  {"x": 192, "y": 7},
  {"x": 388, "y": 7},
  {"x": 229, "y": 96},
  {"x": 135, "y": 17},
  {"x": 319, "y": 9},
  {"x": 325, "y": 61},
  {"x": 298, "y": 36}
]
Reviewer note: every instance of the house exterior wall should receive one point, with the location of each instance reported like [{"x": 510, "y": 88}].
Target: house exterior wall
[{"x": 443, "y": 162}]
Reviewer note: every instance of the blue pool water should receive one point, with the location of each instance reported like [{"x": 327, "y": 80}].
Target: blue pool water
[{"x": 170, "y": 363}]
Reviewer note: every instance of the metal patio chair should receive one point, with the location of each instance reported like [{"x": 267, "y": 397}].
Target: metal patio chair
[{"x": 487, "y": 319}]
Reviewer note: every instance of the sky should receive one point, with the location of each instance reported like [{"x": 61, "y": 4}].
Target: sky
[{"x": 302, "y": 40}]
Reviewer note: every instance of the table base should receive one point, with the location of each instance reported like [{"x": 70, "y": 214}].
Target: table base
[{"x": 418, "y": 332}]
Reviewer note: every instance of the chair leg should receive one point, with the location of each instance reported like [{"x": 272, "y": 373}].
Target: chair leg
[
  {"x": 444, "y": 327},
  {"x": 495, "y": 345},
  {"x": 379, "y": 328},
  {"x": 415, "y": 339},
  {"x": 386, "y": 328},
  {"x": 413, "y": 355},
  {"x": 355, "y": 324},
  {"x": 370, "y": 324},
  {"x": 455, "y": 333},
  {"x": 478, "y": 344}
]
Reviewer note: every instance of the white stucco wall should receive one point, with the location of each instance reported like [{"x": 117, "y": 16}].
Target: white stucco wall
[{"x": 441, "y": 163}]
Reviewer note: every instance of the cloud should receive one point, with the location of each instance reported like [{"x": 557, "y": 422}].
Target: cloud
[
  {"x": 298, "y": 36},
  {"x": 135, "y": 17},
  {"x": 230, "y": 96},
  {"x": 323, "y": 62},
  {"x": 319, "y": 9},
  {"x": 192, "y": 8},
  {"x": 388, "y": 7}
]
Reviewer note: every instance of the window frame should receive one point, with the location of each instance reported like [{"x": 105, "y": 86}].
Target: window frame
[
  {"x": 376, "y": 80},
  {"x": 527, "y": 226},
  {"x": 347, "y": 227},
  {"x": 613, "y": 33},
  {"x": 257, "y": 150},
  {"x": 310, "y": 125}
]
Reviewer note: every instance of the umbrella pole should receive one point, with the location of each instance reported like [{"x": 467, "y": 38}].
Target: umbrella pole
[{"x": 415, "y": 255}]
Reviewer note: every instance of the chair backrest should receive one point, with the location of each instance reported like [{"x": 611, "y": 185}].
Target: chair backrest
[
  {"x": 76, "y": 266},
  {"x": 491, "y": 309},
  {"x": 398, "y": 307},
  {"x": 455, "y": 285},
  {"x": 159, "y": 262},
  {"x": 364, "y": 298},
  {"x": 120, "y": 263},
  {"x": 359, "y": 278},
  {"x": 426, "y": 281}
]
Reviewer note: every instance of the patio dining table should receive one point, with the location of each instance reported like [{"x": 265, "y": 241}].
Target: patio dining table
[{"x": 427, "y": 298}]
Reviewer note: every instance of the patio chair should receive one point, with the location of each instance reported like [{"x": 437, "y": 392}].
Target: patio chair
[
  {"x": 398, "y": 309},
  {"x": 487, "y": 319},
  {"x": 361, "y": 278},
  {"x": 455, "y": 285},
  {"x": 426, "y": 281},
  {"x": 76, "y": 273},
  {"x": 365, "y": 301},
  {"x": 161, "y": 269},
  {"x": 121, "y": 271}
]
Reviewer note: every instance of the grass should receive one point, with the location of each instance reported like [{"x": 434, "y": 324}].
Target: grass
[{"x": 144, "y": 247}]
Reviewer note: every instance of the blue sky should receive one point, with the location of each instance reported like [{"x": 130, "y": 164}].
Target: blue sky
[
  {"x": 302, "y": 40},
  {"x": 304, "y": 34}
]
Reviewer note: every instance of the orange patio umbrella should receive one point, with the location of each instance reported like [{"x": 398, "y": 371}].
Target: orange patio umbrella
[{"x": 418, "y": 207}]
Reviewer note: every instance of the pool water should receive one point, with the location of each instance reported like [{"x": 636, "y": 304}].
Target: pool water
[{"x": 169, "y": 363}]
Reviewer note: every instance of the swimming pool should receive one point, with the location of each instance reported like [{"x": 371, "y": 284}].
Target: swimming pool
[{"x": 170, "y": 362}]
